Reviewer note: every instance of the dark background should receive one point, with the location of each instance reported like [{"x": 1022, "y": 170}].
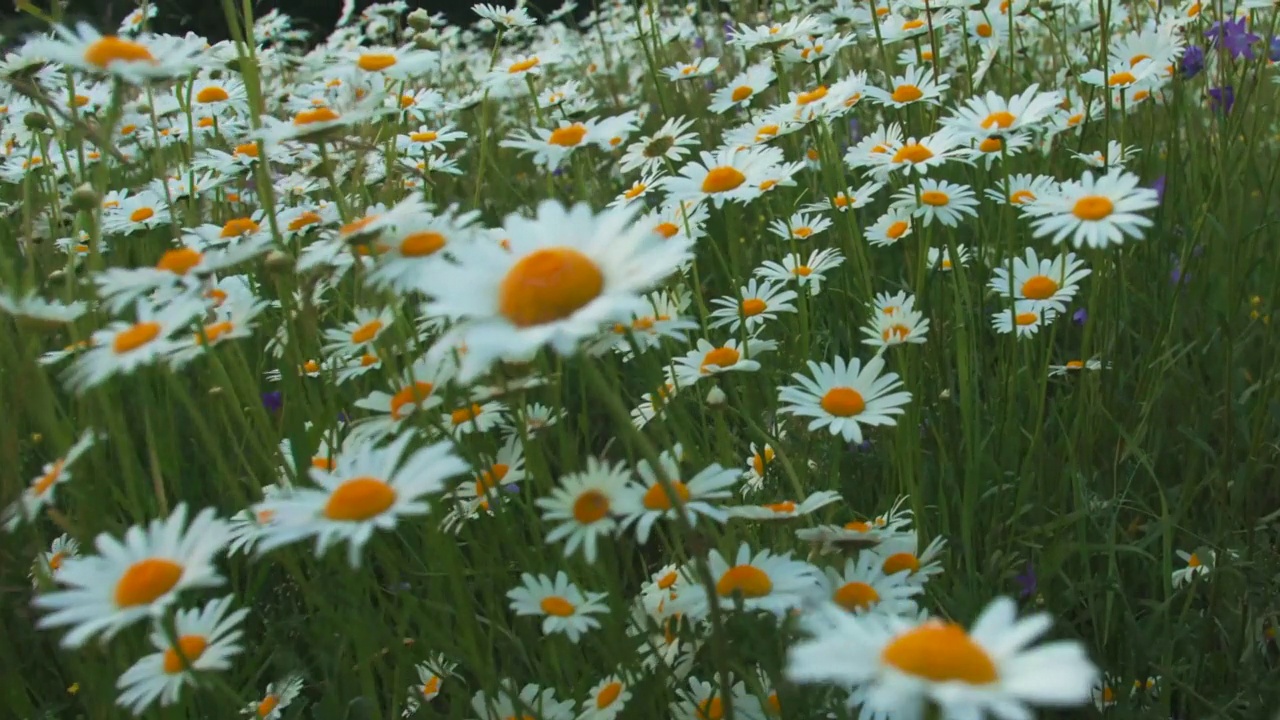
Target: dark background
[{"x": 205, "y": 16}]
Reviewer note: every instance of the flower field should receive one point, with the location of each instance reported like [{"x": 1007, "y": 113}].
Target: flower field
[{"x": 890, "y": 360}]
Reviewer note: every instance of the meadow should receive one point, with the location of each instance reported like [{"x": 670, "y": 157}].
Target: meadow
[{"x": 711, "y": 361}]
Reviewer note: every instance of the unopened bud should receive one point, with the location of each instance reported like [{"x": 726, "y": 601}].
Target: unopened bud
[
  {"x": 419, "y": 20},
  {"x": 424, "y": 42},
  {"x": 277, "y": 261},
  {"x": 35, "y": 121},
  {"x": 85, "y": 198},
  {"x": 57, "y": 276},
  {"x": 716, "y": 397}
]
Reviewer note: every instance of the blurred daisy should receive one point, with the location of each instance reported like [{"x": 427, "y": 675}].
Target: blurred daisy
[
  {"x": 845, "y": 396},
  {"x": 807, "y": 273},
  {"x": 370, "y": 489},
  {"x": 701, "y": 67},
  {"x": 1073, "y": 366},
  {"x": 706, "y": 359},
  {"x": 606, "y": 699},
  {"x": 47, "y": 565},
  {"x": 896, "y": 328},
  {"x": 898, "y": 665},
  {"x": 799, "y": 226},
  {"x": 704, "y": 701},
  {"x": 917, "y": 84},
  {"x": 275, "y": 700},
  {"x": 40, "y": 492},
  {"x": 670, "y": 143},
  {"x": 1023, "y": 319},
  {"x": 785, "y": 509},
  {"x": 745, "y": 86},
  {"x": 356, "y": 335},
  {"x": 122, "y": 347},
  {"x": 940, "y": 258},
  {"x": 760, "y": 581},
  {"x": 900, "y": 553},
  {"x": 731, "y": 174},
  {"x": 564, "y": 608},
  {"x": 207, "y": 639},
  {"x": 431, "y": 675},
  {"x": 568, "y": 271},
  {"x": 135, "y": 60},
  {"x": 1195, "y": 566},
  {"x": 134, "y": 579}
]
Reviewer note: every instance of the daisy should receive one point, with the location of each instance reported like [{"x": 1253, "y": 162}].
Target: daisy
[
  {"x": 532, "y": 701},
  {"x": 1021, "y": 189},
  {"x": 799, "y": 226},
  {"x": 142, "y": 211},
  {"x": 731, "y": 174},
  {"x": 656, "y": 501},
  {"x": 550, "y": 148},
  {"x": 670, "y": 143},
  {"x": 207, "y": 639},
  {"x": 701, "y": 67},
  {"x": 916, "y": 85},
  {"x": 1115, "y": 156},
  {"x": 864, "y": 587},
  {"x": 506, "y": 470},
  {"x": 1093, "y": 212},
  {"x": 896, "y": 328},
  {"x": 135, "y": 60},
  {"x": 898, "y": 553},
  {"x": 369, "y": 489},
  {"x": 122, "y": 347},
  {"x": 653, "y": 404},
  {"x": 991, "y": 115},
  {"x": 774, "y": 35},
  {"x": 134, "y": 579},
  {"x": 849, "y": 198},
  {"x": 808, "y": 274},
  {"x": 1037, "y": 284},
  {"x": 475, "y": 417},
  {"x": 786, "y": 509},
  {"x": 509, "y": 19},
  {"x": 606, "y": 699},
  {"x": 647, "y": 331},
  {"x": 937, "y": 199},
  {"x": 1072, "y": 366},
  {"x": 889, "y": 228},
  {"x": 875, "y": 148},
  {"x": 940, "y": 258},
  {"x": 845, "y": 396},
  {"x": 706, "y": 359},
  {"x": 915, "y": 155},
  {"x": 757, "y": 466},
  {"x": 1023, "y": 318},
  {"x": 538, "y": 418},
  {"x": 681, "y": 221},
  {"x": 1119, "y": 76},
  {"x": 1195, "y": 566},
  {"x": 416, "y": 390},
  {"x": 48, "y": 565},
  {"x": 745, "y": 86},
  {"x": 416, "y": 248},
  {"x": 564, "y": 607},
  {"x": 359, "y": 334},
  {"x": 431, "y": 675},
  {"x": 40, "y": 492},
  {"x": 277, "y": 697},
  {"x": 584, "y": 505},
  {"x": 760, "y": 303},
  {"x": 704, "y": 701},
  {"x": 638, "y": 190},
  {"x": 568, "y": 272},
  {"x": 401, "y": 63},
  {"x": 428, "y": 137},
  {"x": 898, "y": 665}
]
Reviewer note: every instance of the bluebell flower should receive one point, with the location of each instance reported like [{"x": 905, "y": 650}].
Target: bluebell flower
[
  {"x": 1222, "y": 98},
  {"x": 1080, "y": 316},
  {"x": 273, "y": 400},
  {"x": 1234, "y": 36}
]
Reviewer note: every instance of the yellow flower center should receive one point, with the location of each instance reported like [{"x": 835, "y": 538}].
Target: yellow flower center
[
  {"x": 212, "y": 94},
  {"x": 636, "y": 191},
  {"x": 1124, "y": 77},
  {"x": 192, "y": 647},
  {"x": 135, "y": 337},
  {"x": 557, "y": 606},
  {"x": 753, "y": 306},
  {"x": 303, "y": 220},
  {"x": 813, "y": 95},
  {"x": 936, "y": 198},
  {"x": 749, "y": 580},
  {"x": 409, "y": 395},
  {"x": 914, "y": 24},
  {"x": 1022, "y": 196},
  {"x": 941, "y": 652},
  {"x": 591, "y": 506},
  {"x": 991, "y": 145},
  {"x": 984, "y": 30},
  {"x": 711, "y": 709},
  {"x": 1193, "y": 561},
  {"x": 1026, "y": 318},
  {"x": 315, "y": 115},
  {"x": 359, "y": 499},
  {"x": 373, "y": 62},
  {"x": 106, "y": 50},
  {"x": 1039, "y": 287},
  {"x": 548, "y": 285},
  {"x": 44, "y": 482},
  {"x": 722, "y": 357},
  {"x": 742, "y": 92},
  {"x": 141, "y": 214},
  {"x": 366, "y": 332},
  {"x": 843, "y": 402},
  {"x": 667, "y": 230},
  {"x": 656, "y": 497},
  {"x": 898, "y": 229},
  {"x": 906, "y": 93},
  {"x": 782, "y": 508},
  {"x": 523, "y": 65},
  {"x": 236, "y": 227},
  {"x": 722, "y": 179},
  {"x": 424, "y": 136},
  {"x": 146, "y": 581},
  {"x": 568, "y": 136},
  {"x": 1093, "y": 207},
  {"x": 855, "y": 596},
  {"x": 268, "y": 704},
  {"x": 465, "y": 415},
  {"x": 179, "y": 261},
  {"x": 608, "y": 694},
  {"x": 912, "y": 153},
  {"x": 999, "y": 119},
  {"x": 898, "y": 562},
  {"x": 214, "y": 331},
  {"x": 422, "y": 244},
  {"x": 759, "y": 461}
]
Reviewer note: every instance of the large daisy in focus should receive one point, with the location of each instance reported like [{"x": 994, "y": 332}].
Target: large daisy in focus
[{"x": 568, "y": 272}]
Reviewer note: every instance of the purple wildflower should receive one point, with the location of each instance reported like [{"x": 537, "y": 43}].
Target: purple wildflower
[
  {"x": 1158, "y": 186},
  {"x": 1234, "y": 36},
  {"x": 1273, "y": 50},
  {"x": 1080, "y": 316},
  {"x": 1027, "y": 581},
  {"x": 273, "y": 400},
  {"x": 1222, "y": 98},
  {"x": 1192, "y": 61}
]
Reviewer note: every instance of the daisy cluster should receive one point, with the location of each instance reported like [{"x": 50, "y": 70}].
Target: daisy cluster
[{"x": 592, "y": 310}]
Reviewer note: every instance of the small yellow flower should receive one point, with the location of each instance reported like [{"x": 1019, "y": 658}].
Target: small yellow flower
[{"x": 73, "y": 688}]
